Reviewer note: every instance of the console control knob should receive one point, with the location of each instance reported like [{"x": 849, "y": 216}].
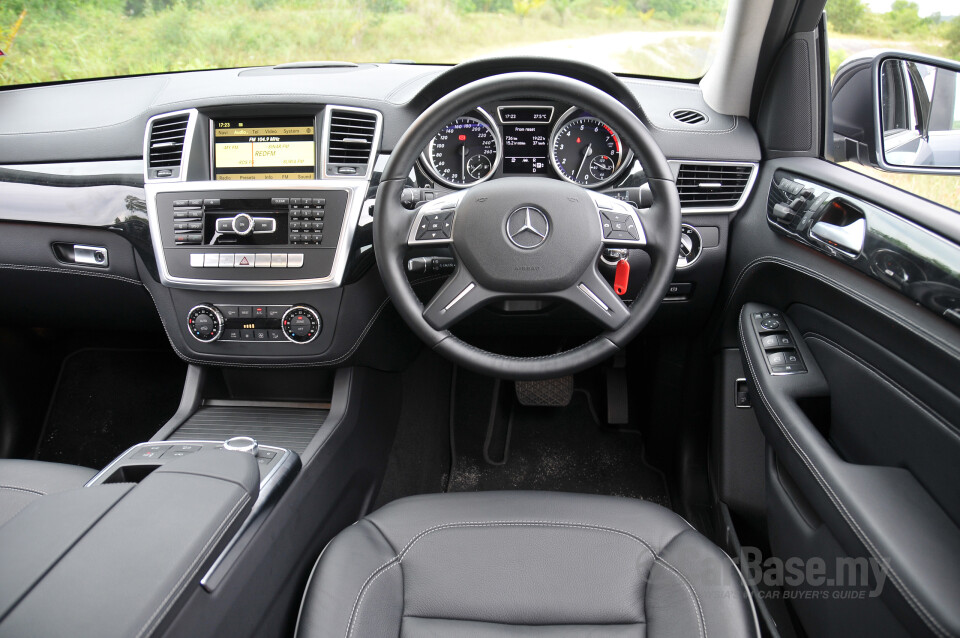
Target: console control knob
[
  {"x": 243, "y": 224},
  {"x": 242, "y": 444},
  {"x": 691, "y": 245},
  {"x": 205, "y": 323},
  {"x": 301, "y": 324}
]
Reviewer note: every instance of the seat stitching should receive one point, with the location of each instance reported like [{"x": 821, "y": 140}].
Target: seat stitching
[
  {"x": 396, "y": 560},
  {"x": 22, "y": 489},
  {"x": 917, "y": 606}
]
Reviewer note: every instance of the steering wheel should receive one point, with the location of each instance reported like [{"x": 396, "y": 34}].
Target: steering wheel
[{"x": 526, "y": 237}]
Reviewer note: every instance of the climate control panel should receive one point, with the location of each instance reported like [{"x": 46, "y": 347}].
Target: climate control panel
[{"x": 291, "y": 323}]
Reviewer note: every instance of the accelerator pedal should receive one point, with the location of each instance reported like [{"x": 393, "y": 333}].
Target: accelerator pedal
[{"x": 553, "y": 393}]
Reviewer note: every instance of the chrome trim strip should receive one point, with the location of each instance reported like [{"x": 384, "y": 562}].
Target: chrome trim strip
[
  {"x": 593, "y": 297},
  {"x": 754, "y": 166},
  {"x": 463, "y": 293},
  {"x": 325, "y": 138},
  {"x": 356, "y": 191},
  {"x": 133, "y": 167},
  {"x": 187, "y": 147}
]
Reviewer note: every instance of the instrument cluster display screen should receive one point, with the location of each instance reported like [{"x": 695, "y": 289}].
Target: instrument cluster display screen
[
  {"x": 251, "y": 149},
  {"x": 525, "y": 149}
]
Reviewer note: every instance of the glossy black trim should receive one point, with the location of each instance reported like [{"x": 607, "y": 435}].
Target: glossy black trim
[{"x": 896, "y": 252}]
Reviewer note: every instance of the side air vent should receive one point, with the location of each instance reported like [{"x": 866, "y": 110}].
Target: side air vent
[
  {"x": 165, "y": 146},
  {"x": 350, "y": 139},
  {"x": 688, "y": 116},
  {"x": 713, "y": 186}
]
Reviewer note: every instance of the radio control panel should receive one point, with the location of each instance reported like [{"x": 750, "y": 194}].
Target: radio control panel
[{"x": 235, "y": 237}]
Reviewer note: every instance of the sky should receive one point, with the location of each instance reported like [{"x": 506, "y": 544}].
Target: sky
[{"x": 945, "y": 7}]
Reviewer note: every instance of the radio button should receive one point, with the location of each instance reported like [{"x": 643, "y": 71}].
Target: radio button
[
  {"x": 280, "y": 201},
  {"x": 180, "y": 202},
  {"x": 244, "y": 260},
  {"x": 211, "y": 260},
  {"x": 196, "y": 260},
  {"x": 263, "y": 260},
  {"x": 211, "y": 202},
  {"x": 226, "y": 260},
  {"x": 278, "y": 260},
  {"x": 195, "y": 202},
  {"x": 295, "y": 260},
  {"x": 225, "y": 225},
  {"x": 264, "y": 225}
]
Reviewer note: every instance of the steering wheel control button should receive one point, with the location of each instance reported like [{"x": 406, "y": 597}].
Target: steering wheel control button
[
  {"x": 301, "y": 324},
  {"x": 434, "y": 226},
  {"x": 527, "y": 227},
  {"x": 205, "y": 323},
  {"x": 619, "y": 222}
]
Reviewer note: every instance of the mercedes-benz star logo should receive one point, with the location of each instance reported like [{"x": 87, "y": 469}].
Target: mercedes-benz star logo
[{"x": 527, "y": 227}]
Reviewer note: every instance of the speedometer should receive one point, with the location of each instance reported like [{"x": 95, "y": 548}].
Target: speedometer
[
  {"x": 587, "y": 152},
  {"x": 464, "y": 152}
]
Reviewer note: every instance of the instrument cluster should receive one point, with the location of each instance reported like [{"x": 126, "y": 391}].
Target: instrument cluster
[{"x": 526, "y": 139}]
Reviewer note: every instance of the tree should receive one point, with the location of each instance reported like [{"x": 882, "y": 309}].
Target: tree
[
  {"x": 952, "y": 34},
  {"x": 523, "y": 7},
  {"x": 561, "y": 7},
  {"x": 846, "y": 15}
]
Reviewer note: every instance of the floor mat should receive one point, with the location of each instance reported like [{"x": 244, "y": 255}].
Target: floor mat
[
  {"x": 106, "y": 400},
  {"x": 557, "y": 449}
]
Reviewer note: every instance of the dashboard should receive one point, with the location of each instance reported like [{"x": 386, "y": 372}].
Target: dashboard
[
  {"x": 241, "y": 200},
  {"x": 524, "y": 138}
]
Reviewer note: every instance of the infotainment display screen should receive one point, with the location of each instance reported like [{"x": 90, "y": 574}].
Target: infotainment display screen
[{"x": 245, "y": 149}]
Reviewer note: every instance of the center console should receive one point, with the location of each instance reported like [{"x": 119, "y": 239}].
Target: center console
[{"x": 252, "y": 220}]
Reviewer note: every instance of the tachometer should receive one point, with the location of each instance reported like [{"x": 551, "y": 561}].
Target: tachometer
[
  {"x": 587, "y": 152},
  {"x": 464, "y": 152}
]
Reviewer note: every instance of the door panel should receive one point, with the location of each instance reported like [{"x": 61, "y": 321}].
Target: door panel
[{"x": 863, "y": 447}]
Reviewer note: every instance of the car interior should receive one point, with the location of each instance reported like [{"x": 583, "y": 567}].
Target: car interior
[{"x": 513, "y": 347}]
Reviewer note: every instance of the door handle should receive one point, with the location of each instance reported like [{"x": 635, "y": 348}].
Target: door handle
[{"x": 847, "y": 238}]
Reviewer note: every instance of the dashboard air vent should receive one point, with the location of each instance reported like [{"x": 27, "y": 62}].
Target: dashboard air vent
[
  {"x": 350, "y": 141},
  {"x": 688, "y": 116},
  {"x": 167, "y": 138},
  {"x": 712, "y": 185}
]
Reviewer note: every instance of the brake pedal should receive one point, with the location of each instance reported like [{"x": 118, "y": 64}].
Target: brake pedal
[{"x": 553, "y": 393}]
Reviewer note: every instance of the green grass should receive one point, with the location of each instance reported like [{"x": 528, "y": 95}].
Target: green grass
[
  {"x": 97, "y": 39},
  {"x": 942, "y": 189}
]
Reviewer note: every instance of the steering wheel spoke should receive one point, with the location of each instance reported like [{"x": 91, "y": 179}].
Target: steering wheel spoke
[
  {"x": 434, "y": 221},
  {"x": 593, "y": 294},
  {"x": 620, "y": 223},
  {"x": 459, "y": 297}
]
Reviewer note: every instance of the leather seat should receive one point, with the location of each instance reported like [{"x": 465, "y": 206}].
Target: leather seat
[
  {"x": 22, "y": 482},
  {"x": 524, "y": 564}
]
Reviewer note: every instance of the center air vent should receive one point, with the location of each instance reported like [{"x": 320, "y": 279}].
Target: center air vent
[
  {"x": 165, "y": 145},
  {"x": 688, "y": 116},
  {"x": 713, "y": 185},
  {"x": 351, "y": 137}
]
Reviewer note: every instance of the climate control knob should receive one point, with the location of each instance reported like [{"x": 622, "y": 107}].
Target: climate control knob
[
  {"x": 205, "y": 323},
  {"x": 301, "y": 324}
]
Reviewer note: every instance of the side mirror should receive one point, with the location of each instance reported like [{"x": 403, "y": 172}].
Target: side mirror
[{"x": 899, "y": 112}]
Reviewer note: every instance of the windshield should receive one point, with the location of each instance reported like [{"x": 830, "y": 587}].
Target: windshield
[{"x": 53, "y": 40}]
